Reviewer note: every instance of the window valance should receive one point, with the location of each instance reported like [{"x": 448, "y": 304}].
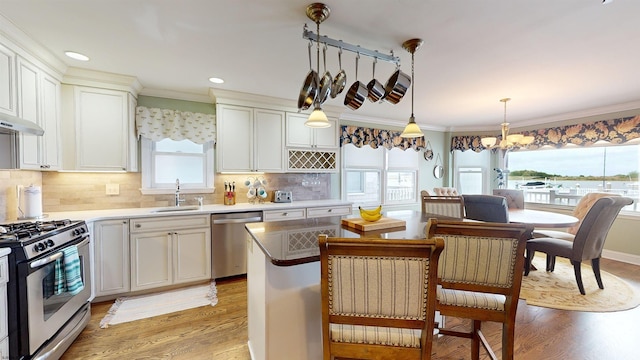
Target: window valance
[
  {"x": 360, "y": 136},
  {"x": 615, "y": 131},
  {"x": 157, "y": 124}
]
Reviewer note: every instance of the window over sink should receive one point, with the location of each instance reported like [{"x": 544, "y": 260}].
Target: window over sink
[{"x": 166, "y": 160}]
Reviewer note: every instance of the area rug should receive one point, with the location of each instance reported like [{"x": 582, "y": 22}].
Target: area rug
[
  {"x": 127, "y": 309},
  {"x": 558, "y": 289}
]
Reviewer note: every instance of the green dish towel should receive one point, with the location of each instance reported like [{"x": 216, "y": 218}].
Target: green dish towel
[{"x": 72, "y": 270}]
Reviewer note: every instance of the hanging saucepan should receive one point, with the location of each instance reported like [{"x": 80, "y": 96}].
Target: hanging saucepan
[
  {"x": 340, "y": 80},
  {"x": 376, "y": 90},
  {"x": 326, "y": 80},
  {"x": 357, "y": 92},
  {"x": 309, "y": 89},
  {"x": 396, "y": 86}
]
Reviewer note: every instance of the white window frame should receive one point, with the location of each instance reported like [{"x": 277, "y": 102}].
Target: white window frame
[
  {"x": 383, "y": 171},
  {"x": 147, "y": 150}
]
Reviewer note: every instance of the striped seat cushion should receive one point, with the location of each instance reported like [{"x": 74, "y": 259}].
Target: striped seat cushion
[
  {"x": 375, "y": 335},
  {"x": 471, "y": 299}
]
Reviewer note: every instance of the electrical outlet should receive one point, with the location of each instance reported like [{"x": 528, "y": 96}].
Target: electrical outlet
[{"x": 113, "y": 189}]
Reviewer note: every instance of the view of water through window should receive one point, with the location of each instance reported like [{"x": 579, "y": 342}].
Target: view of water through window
[{"x": 572, "y": 172}]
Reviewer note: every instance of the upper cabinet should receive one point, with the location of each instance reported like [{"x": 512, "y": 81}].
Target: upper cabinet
[
  {"x": 301, "y": 136},
  {"x": 96, "y": 118},
  {"x": 7, "y": 81},
  {"x": 249, "y": 139},
  {"x": 39, "y": 101}
]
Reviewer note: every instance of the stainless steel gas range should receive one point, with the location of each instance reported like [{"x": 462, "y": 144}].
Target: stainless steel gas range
[{"x": 45, "y": 315}]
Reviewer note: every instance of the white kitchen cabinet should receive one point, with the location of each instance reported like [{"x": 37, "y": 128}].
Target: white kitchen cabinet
[
  {"x": 301, "y": 136},
  {"x": 111, "y": 247},
  {"x": 305, "y": 213},
  {"x": 98, "y": 119},
  {"x": 250, "y": 139},
  {"x": 286, "y": 214},
  {"x": 169, "y": 250},
  {"x": 329, "y": 211},
  {"x": 4, "y": 330},
  {"x": 39, "y": 101},
  {"x": 8, "y": 104}
]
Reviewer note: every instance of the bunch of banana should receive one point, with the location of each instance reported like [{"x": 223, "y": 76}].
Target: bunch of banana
[{"x": 371, "y": 215}]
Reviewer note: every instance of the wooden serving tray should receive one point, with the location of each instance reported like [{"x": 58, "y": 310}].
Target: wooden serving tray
[{"x": 363, "y": 225}]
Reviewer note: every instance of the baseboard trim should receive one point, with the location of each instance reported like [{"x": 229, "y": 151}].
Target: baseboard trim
[{"x": 620, "y": 256}]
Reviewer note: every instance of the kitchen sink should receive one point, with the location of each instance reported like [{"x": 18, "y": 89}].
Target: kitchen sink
[{"x": 176, "y": 208}]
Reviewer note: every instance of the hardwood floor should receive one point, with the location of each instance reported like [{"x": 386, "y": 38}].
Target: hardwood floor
[{"x": 220, "y": 332}]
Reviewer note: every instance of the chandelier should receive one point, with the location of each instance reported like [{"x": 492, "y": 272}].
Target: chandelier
[{"x": 507, "y": 141}]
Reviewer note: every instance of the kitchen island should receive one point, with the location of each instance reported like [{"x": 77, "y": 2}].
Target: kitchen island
[{"x": 283, "y": 281}]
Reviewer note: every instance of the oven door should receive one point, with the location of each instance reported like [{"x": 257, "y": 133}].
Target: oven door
[{"x": 47, "y": 311}]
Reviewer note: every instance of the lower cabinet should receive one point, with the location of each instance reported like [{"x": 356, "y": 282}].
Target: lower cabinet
[
  {"x": 171, "y": 256},
  {"x": 111, "y": 244},
  {"x": 146, "y": 253}
]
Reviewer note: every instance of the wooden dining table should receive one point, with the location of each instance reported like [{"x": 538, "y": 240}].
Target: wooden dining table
[{"x": 541, "y": 219}]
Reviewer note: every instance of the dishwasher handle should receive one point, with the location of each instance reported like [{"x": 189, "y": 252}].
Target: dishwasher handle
[{"x": 237, "y": 221}]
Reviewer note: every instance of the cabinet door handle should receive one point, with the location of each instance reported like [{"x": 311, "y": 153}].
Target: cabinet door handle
[
  {"x": 329, "y": 210},
  {"x": 138, "y": 225}
]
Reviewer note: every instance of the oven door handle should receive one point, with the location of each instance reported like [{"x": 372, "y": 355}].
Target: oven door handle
[{"x": 51, "y": 258}]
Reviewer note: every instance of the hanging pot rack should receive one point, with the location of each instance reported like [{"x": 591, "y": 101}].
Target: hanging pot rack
[{"x": 310, "y": 35}]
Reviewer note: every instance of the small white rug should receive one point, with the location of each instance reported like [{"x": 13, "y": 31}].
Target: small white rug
[{"x": 133, "y": 308}]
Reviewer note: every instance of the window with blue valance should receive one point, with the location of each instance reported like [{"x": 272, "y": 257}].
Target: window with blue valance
[
  {"x": 614, "y": 131},
  {"x": 361, "y": 136}
]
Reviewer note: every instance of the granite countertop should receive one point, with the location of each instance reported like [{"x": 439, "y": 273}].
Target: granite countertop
[
  {"x": 107, "y": 214},
  {"x": 295, "y": 242}
]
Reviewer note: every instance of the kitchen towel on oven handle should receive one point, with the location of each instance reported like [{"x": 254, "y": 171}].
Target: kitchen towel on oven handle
[{"x": 72, "y": 273}]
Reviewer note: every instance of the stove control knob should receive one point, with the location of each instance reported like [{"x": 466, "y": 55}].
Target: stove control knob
[
  {"x": 50, "y": 243},
  {"x": 40, "y": 246}
]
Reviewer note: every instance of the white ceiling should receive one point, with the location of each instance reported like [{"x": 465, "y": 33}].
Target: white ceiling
[{"x": 556, "y": 59}]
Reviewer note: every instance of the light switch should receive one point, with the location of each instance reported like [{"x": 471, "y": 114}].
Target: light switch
[{"x": 113, "y": 189}]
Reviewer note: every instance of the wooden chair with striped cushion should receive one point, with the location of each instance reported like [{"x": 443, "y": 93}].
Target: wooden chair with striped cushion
[
  {"x": 378, "y": 297},
  {"x": 480, "y": 272},
  {"x": 444, "y": 207}
]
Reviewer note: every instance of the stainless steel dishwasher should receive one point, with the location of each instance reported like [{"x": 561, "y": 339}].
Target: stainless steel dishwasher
[{"x": 229, "y": 242}]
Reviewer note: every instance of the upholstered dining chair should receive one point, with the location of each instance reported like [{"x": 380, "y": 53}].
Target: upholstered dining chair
[
  {"x": 378, "y": 297},
  {"x": 445, "y": 191},
  {"x": 515, "y": 197},
  {"x": 580, "y": 211},
  {"x": 451, "y": 207},
  {"x": 490, "y": 208},
  {"x": 586, "y": 245},
  {"x": 480, "y": 272}
]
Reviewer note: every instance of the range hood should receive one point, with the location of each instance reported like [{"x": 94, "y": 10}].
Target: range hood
[{"x": 11, "y": 124}]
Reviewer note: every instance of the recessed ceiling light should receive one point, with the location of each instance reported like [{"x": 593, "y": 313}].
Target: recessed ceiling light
[
  {"x": 216, "y": 80},
  {"x": 76, "y": 56},
  {"x": 607, "y": 1}
]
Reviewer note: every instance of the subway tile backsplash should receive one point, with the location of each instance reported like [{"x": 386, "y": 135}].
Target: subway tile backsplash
[{"x": 62, "y": 191}]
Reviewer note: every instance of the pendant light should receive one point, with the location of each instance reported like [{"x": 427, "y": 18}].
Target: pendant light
[
  {"x": 412, "y": 130},
  {"x": 318, "y": 12},
  {"x": 507, "y": 141}
]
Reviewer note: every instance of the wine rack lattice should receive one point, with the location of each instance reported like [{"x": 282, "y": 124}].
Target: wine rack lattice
[{"x": 312, "y": 160}]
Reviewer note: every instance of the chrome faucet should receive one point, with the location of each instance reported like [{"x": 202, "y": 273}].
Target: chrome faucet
[{"x": 178, "y": 198}]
